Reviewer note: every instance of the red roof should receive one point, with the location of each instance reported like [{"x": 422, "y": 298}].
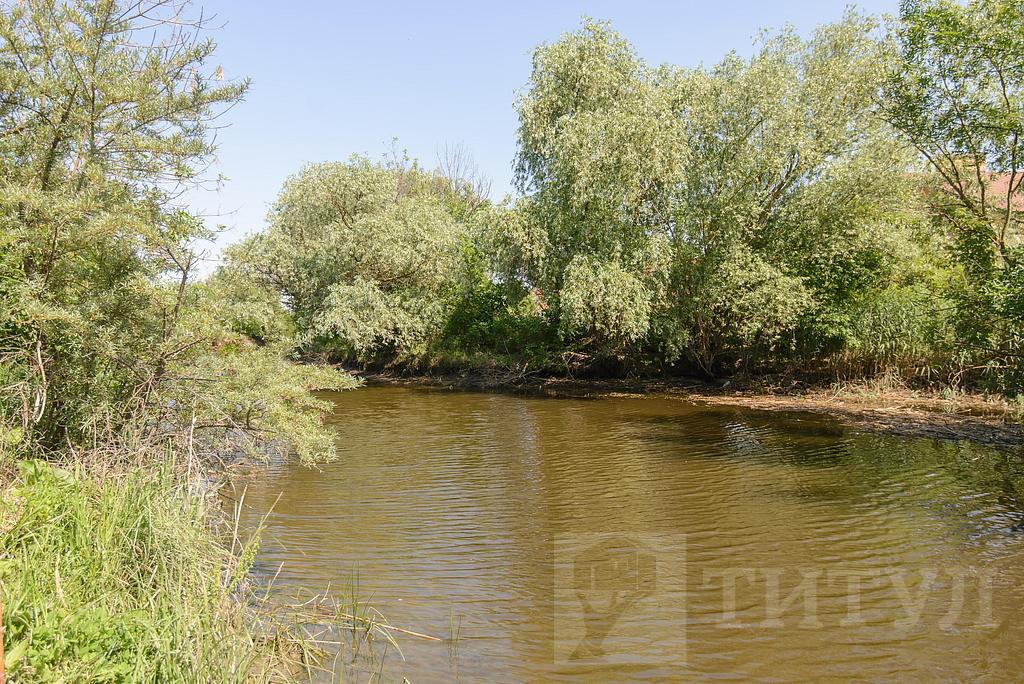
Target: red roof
[
  {"x": 995, "y": 189},
  {"x": 998, "y": 185}
]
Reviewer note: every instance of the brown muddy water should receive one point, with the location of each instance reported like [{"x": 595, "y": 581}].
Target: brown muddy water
[{"x": 649, "y": 539}]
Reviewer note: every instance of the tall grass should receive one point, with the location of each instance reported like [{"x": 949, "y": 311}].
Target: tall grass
[{"x": 120, "y": 578}]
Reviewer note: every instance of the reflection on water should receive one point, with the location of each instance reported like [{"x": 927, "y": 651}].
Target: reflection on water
[{"x": 784, "y": 547}]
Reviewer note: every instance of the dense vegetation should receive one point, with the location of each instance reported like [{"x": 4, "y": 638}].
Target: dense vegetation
[
  {"x": 106, "y": 116},
  {"x": 120, "y": 373},
  {"x": 119, "y": 579},
  {"x": 844, "y": 204},
  {"x": 840, "y": 205}
]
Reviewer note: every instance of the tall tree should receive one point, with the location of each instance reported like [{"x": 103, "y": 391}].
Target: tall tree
[
  {"x": 958, "y": 97},
  {"x": 107, "y": 111},
  {"x": 600, "y": 150},
  {"x": 365, "y": 254},
  {"x": 712, "y": 213}
]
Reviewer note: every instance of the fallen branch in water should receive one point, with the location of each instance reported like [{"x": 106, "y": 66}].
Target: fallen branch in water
[{"x": 386, "y": 626}]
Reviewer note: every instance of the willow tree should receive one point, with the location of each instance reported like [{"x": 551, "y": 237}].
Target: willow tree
[
  {"x": 798, "y": 210},
  {"x": 712, "y": 213},
  {"x": 366, "y": 255},
  {"x": 600, "y": 149},
  {"x": 107, "y": 113},
  {"x": 105, "y": 116}
]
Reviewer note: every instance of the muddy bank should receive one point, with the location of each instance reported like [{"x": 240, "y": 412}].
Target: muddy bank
[{"x": 905, "y": 412}]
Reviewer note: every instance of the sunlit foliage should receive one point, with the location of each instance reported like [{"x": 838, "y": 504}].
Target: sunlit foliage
[
  {"x": 958, "y": 97},
  {"x": 719, "y": 214},
  {"x": 819, "y": 206},
  {"x": 106, "y": 117},
  {"x": 367, "y": 255}
]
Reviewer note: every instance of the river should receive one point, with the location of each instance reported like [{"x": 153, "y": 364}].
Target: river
[{"x": 650, "y": 539}]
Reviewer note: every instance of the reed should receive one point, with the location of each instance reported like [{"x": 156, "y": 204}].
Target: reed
[{"x": 121, "y": 578}]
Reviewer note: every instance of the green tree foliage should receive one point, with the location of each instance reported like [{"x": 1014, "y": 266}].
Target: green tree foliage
[
  {"x": 604, "y": 299},
  {"x": 492, "y": 317},
  {"x": 716, "y": 214},
  {"x": 600, "y": 148},
  {"x": 367, "y": 255},
  {"x": 105, "y": 117},
  {"x": 958, "y": 97},
  {"x": 795, "y": 209}
]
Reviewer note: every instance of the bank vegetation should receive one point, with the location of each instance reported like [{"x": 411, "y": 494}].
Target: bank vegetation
[
  {"x": 835, "y": 207},
  {"x": 126, "y": 383}
]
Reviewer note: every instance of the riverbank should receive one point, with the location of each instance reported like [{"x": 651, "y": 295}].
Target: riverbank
[
  {"x": 867, "y": 406},
  {"x": 122, "y": 566}
]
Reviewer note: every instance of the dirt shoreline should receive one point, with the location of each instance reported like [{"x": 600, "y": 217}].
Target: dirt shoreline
[{"x": 903, "y": 412}]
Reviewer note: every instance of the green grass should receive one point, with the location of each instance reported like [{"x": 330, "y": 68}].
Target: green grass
[{"x": 121, "y": 578}]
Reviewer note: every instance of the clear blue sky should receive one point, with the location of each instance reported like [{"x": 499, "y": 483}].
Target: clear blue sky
[{"x": 334, "y": 78}]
